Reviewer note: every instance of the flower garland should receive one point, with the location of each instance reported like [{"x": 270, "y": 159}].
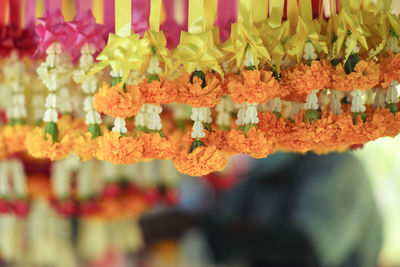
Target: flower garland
[{"x": 301, "y": 84}]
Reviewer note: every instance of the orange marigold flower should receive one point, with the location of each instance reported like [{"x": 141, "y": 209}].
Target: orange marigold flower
[
  {"x": 195, "y": 95},
  {"x": 203, "y": 160},
  {"x": 365, "y": 76},
  {"x": 3, "y": 147},
  {"x": 85, "y": 147},
  {"x": 39, "y": 186},
  {"x": 157, "y": 147},
  {"x": 119, "y": 149},
  {"x": 38, "y": 147},
  {"x": 390, "y": 69},
  {"x": 113, "y": 101},
  {"x": 252, "y": 86},
  {"x": 157, "y": 92},
  {"x": 14, "y": 137},
  {"x": 256, "y": 144},
  {"x": 301, "y": 79},
  {"x": 218, "y": 138}
]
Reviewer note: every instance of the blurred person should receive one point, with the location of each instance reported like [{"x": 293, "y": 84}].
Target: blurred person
[{"x": 291, "y": 210}]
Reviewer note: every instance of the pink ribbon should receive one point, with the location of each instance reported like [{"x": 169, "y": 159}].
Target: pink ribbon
[
  {"x": 226, "y": 15},
  {"x": 30, "y": 15},
  {"x": 109, "y": 10},
  {"x": 51, "y": 5},
  {"x": 172, "y": 30},
  {"x": 86, "y": 30},
  {"x": 54, "y": 29},
  {"x": 81, "y": 6},
  {"x": 140, "y": 16}
]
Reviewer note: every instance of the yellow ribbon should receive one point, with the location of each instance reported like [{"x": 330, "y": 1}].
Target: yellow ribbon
[
  {"x": 156, "y": 37},
  {"x": 306, "y": 30},
  {"x": 123, "y": 53},
  {"x": 275, "y": 13},
  {"x": 260, "y": 11},
  {"x": 198, "y": 50},
  {"x": 349, "y": 22},
  {"x": 155, "y": 14},
  {"x": 68, "y": 9},
  {"x": 306, "y": 10},
  {"x": 98, "y": 11},
  {"x": 387, "y": 22},
  {"x": 123, "y": 17},
  {"x": 198, "y": 47},
  {"x": 292, "y": 14},
  {"x": 244, "y": 34}
]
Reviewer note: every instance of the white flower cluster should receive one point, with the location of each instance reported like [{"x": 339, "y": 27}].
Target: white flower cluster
[
  {"x": 149, "y": 116},
  {"x": 249, "y": 59},
  {"x": 274, "y": 105},
  {"x": 154, "y": 66},
  {"x": 247, "y": 114},
  {"x": 119, "y": 126},
  {"x": 357, "y": 102},
  {"x": 224, "y": 109},
  {"x": 89, "y": 86},
  {"x": 348, "y": 44},
  {"x": 392, "y": 44},
  {"x": 241, "y": 115},
  {"x": 336, "y": 104},
  {"x": 49, "y": 73},
  {"x": 12, "y": 169},
  {"x": 16, "y": 79},
  {"x": 309, "y": 52},
  {"x": 200, "y": 116},
  {"x": 312, "y": 101},
  {"x": 392, "y": 95}
]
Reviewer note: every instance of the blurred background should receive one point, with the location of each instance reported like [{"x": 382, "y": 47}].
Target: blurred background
[{"x": 286, "y": 210}]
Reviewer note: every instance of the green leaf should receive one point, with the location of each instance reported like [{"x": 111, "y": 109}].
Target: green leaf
[
  {"x": 362, "y": 115},
  {"x": 94, "y": 129},
  {"x": 200, "y": 75},
  {"x": 195, "y": 144},
  {"x": 311, "y": 116},
  {"x": 246, "y": 128},
  {"x": 278, "y": 114},
  {"x": 207, "y": 126},
  {"x": 52, "y": 129},
  {"x": 153, "y": 77},
  {"x": 392, "y": 107}
]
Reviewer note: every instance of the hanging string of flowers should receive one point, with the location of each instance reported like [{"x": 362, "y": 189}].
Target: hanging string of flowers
[{"x": 284, "y": 79}]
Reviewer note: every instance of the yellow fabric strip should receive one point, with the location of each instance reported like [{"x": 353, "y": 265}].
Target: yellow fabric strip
[
  {"x": 275, "y": 12},
  {"x": 292, "y": 14},
  {"x": 245, "y": 12},
  {"x": 155, "y": 15},
  {"x": 210, "y": 13},
  {"x": 39, "y": 8},
  {"x": 123, "y": 17},
  {"x": 68, "y": 9},
  {"x": 260, "y": 11},
  {"x": 306, "y": 10},
  {"x": 98, "y": 11},
  {"x": 22, "y": 17},
  {"x": 196, "y": 16}
]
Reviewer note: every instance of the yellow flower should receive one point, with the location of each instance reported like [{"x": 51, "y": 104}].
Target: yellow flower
[
  {"x": 14, "y": 137},
  {"x": 113, "y": 101},
  {"x": 39, "y": 147},
  {"x": 202, "y": 161},
  {"x": 119, "y": 149}
]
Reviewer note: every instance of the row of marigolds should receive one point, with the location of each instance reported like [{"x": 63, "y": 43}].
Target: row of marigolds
[{"x": 199, "y": 156}]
